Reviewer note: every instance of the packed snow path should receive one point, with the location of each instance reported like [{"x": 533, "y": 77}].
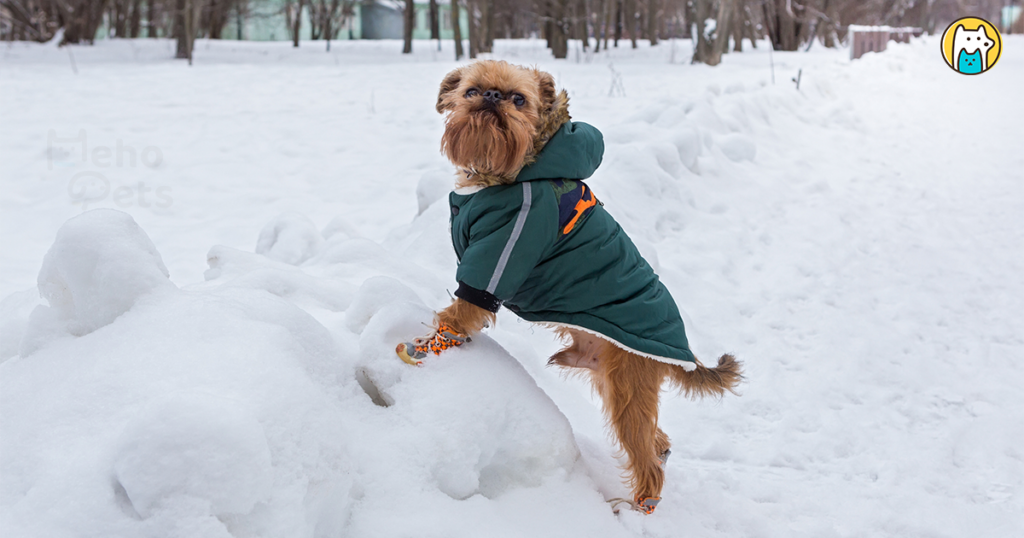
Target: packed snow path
[{"x": 857, "y": 243}]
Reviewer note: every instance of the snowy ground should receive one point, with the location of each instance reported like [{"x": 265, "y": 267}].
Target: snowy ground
[{"x": 857, "y": 243}]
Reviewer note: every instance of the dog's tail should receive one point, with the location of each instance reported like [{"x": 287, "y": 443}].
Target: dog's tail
[{"x": 704, "y": 381}]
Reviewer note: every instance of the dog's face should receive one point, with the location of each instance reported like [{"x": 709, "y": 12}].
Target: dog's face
[{"x": 494, "y": 112}]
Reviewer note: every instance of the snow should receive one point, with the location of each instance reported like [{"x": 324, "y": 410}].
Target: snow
[
  {"x": 855, "y": 242},
  {"x": 194, "y": 445},
  {"x": 99, "y": 266},
  {"x": 290, "y": 238}
]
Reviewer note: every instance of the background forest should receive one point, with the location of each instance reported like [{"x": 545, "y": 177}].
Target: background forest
[{"x": 717, "y": 26}]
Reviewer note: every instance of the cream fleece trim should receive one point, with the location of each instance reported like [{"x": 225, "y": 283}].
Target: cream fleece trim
[
  {"x": 685, "y": 365},
  {"x": 471, "y": 189}
]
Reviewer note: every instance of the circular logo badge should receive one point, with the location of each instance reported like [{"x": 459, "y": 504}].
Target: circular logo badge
[{"x": 971, "y": 46}]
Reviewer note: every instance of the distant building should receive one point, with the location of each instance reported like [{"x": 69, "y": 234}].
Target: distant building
[
  {"x": 1011, "y": 19},
  {"x": 371, "y": 19},
  {"x": 265, "y": 20}
]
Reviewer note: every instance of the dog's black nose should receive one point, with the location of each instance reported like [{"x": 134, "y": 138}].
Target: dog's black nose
[{"x": 492, "y": 95}]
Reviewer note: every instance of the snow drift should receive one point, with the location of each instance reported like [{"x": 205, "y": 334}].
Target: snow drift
[{"x": 844, "y": 240}]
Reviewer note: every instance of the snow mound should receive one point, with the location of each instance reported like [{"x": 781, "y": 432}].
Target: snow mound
[
  {"x": 737, "y": 147},
  {"x": 194, "y": 445},
  {"x": 483, "y": 425},
  {"x": 252, "y": 271},
  {"x": 290, "y": 238},
  {"x": 372, "y": 296},
  {"x": 15, "y": 310},
  {"x": 686, "y": 138},
  {"x": 99, "y": 266},
  {"x": 433, "y": 186}
]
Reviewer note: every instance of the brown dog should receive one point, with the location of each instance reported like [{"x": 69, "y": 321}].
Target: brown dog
[{"x": 500, "y": 118}]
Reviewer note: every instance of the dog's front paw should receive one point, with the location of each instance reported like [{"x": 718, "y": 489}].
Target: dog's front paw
[
  {"x": 444, "y": 337},
  {"x": 407, "y": 352}
]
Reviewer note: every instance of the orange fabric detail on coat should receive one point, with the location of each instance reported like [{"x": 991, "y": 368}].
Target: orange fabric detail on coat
[{"x": 581, "y": 206}]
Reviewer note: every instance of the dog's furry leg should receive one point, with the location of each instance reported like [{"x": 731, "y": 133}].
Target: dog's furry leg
[
  {"x": 705, "y": 381},
  {"x": 582, "y": 350},
  {"x": 465, "y": 317},
  {"x": 661, "y": 443},
  {"x": 631, "y": 386}
]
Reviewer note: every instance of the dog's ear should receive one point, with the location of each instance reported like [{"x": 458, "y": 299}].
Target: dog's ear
[
  {"x": 546, "y": 89},
  {"x": 448, "y": 85}
]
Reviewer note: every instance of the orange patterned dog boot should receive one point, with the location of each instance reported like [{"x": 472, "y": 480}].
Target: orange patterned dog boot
[
  {"x": 444, "y": 337},
  {"x": 647, "y": 504}
]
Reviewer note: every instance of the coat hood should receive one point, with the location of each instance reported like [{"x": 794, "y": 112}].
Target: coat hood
[{"x": 573, "y": 152}]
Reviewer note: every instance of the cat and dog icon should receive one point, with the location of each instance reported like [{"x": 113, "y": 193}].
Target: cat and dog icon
[{"x": 971, "y": 46}]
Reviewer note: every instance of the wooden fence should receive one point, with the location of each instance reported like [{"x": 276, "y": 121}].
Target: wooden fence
[{"x": 864, "y": 39}]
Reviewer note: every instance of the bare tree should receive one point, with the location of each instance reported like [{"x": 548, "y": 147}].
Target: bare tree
[
  {"x": 135, "y": 21},
  {"x": 293, "y": 18},
  {"x": 474, "y": 44},
  {"x": 629, "y": 18},
  {"x": 457, "y": 29},
  {"x": 701, "y": 10},
  {"x": 409, "y": 17},
  {"x": 180, "y": 28},
  {"x": 789, "y": 24},
  {"x": 150, "y": 18},
  {"x": 435, "y": 30},
  {"x": 35, "y": 20},
  {"x": 653, "y": 7},
  {"x": 487, "y": 25}
]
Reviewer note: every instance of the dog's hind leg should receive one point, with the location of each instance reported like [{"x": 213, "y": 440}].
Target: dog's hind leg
[
  {"x": 582, "y": 350},
  {"x": 631, "y": 386},
  {"x": 662, "y": 444}
]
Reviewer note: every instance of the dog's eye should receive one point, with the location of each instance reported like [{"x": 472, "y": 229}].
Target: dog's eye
[
  {"x": 472, "y": 92},
  {"x": 518, "y": 100}
]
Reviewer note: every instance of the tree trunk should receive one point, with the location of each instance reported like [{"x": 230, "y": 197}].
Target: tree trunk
[
  {"x": 297, "y": 23},
  {"x": 316, "y": 11},
  {"x": 150, "y": 18},
  {"x": 617, "y": 33},
  {"x": 608, "y": 21},
  {"x": 118, "y": 17},
  {"x": 410, "y": 23},
  {"x": 831, "y": 10},
  {"x": 488, "y": 32},
  {"x": 653, "y": 6},
  {"x": 723, "y": 29},
  {"x": 238, "y": 22},
  {"x": 457, "y": 30},
  {"x": 582, "y": 23},
  {"x": 216, "y": 17},
  {"x": 435, "y": 27},
  {"x": 474, "y": 29},
  {"x": 702, "y": 47},
  {"x": 136, "y": 20},
  {"x": 629, "y": 17},
  {"x": 179, "y": 29},
  {"x": 780, "y": 20},
  {"x": 560, "y": 34},
  {"x": 738, "y": 16}
]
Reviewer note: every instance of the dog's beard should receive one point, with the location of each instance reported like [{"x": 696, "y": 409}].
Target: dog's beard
[{"x": 488, "y": 140}]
